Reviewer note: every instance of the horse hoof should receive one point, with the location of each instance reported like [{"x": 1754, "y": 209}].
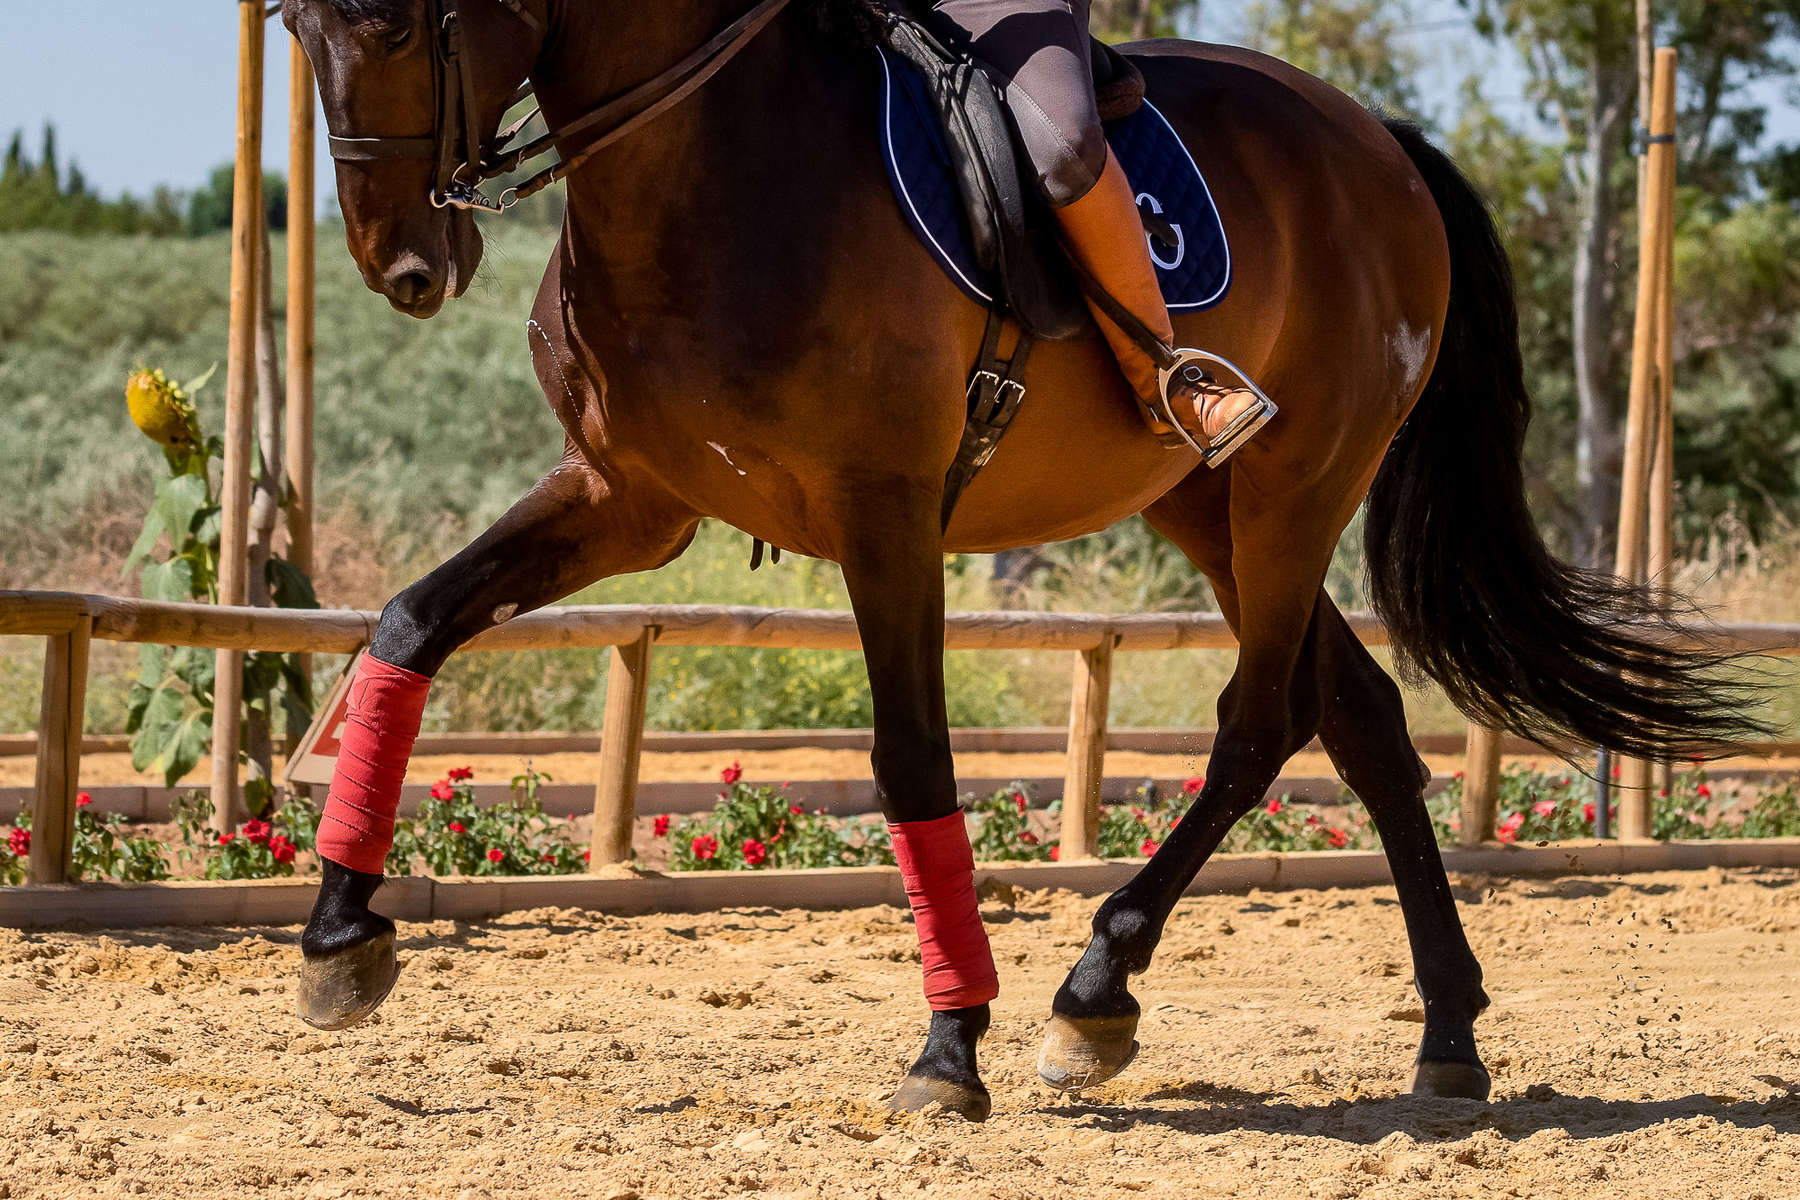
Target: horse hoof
[
  {"x": 1080, "y": 1052},
  {"x": 918, "y": 1091},
  {"x": 338, "y": 990},
  {"x": 1461, "y": 1081}
]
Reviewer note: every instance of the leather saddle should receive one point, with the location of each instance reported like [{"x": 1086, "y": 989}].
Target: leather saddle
[{"x": 1012, "y": 231}]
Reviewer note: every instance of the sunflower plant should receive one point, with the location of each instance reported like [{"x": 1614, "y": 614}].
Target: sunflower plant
[{"x": 170, "y": 715}]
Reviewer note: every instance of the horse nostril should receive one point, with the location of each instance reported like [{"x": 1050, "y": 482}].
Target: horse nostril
[{"x": 410, "y": 287}]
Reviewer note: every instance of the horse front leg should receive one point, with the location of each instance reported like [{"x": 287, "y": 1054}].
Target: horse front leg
[
  {"x": 895, "y": 576},
  {"x": 574, "y": 527}
]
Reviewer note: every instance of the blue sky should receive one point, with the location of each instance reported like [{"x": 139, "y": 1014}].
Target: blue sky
[{"x": 142, "y": 91}]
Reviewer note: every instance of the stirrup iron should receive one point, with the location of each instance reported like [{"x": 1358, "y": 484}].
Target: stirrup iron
[{"x": 1191, "y": 367}]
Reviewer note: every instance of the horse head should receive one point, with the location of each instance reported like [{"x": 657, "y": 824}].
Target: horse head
[{"x": 411, "y": 110}]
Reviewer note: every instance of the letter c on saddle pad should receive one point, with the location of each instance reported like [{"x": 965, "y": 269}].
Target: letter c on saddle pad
[
  {"x": 937, "y": 869},
  {"x": 380, "y": 725}
]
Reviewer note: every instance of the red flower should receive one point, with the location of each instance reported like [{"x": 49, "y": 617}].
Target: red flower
[
  {"x": 587, "y": 856},
  {"x": 795, "y": 810},
  {"x": 1019, "y": 799},
  {"x": 82, "y": 799},
  {"x": 1338, "y": 838},
  {"x": 1192, "y": 786},
  {"x": 458, "y": 827},
  {"x": 1587, "y": 812},
  {"x": 19, "y": 842},
  {"x": 547, "y": 857},
  {"x": 1056, "y": 854},
  {"x": 660, "y": 827},
  {"x": 705, "y": 846},
  {"x": 282, "y": 849},
  {"x": 458, "y": 774},
  {"x": 1616, "y": 771},
  {"x": 1662, "y": 794},
  {"x": 495, "y": 854},
  {"x": 1029, "y": 838},
  {"x": 1509, "y": 828},
  {"x": 732, "y": 774},
  {"x": 1150, "y": 847},
  {"x": 1312, "y": 818},
  {"x": 1274, "y": 805},
  {"x": 1544, "y": 808},
  {"x": 1703, "y": 789},
  {"x": 1137, "y": 814},
  {"x": 256, "y": 832},
  {"x": 755, "y": 852},
  {"x": 1458, "y": 775},
  {"x": 225, "y": 838},
  {"x": 441, "y": 790}
]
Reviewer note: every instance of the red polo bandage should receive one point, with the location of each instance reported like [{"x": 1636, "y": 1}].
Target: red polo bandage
[
  {"x": 385, "y": 705},
  {"x": 938, "y": 871}
]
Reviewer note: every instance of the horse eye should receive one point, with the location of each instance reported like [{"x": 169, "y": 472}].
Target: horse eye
[{"x": 397, "y": 38}]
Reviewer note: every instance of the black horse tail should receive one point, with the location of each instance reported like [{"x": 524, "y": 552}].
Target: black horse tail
[{"x": 1472, "y": 597}]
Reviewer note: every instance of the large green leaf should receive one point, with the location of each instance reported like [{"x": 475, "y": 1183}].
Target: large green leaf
[
  {"x": 172, "y": 580},
  {"x": 288, "y": 585},
  {"x": 177, "y": 501}
]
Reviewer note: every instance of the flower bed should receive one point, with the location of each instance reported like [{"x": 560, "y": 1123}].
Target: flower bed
[{"x": 755, "y": 828}]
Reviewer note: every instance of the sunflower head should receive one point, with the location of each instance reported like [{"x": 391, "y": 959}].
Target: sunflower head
[{"x": 161, "y": 410}]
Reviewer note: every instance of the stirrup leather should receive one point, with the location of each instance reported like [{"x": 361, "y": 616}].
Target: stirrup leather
[{"x": 1197, "y": 368}]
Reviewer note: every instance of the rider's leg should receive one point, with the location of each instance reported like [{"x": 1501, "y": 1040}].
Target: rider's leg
[
  {"x": 1037, "y": 52},
  {"x": 1102, "y": 230}
]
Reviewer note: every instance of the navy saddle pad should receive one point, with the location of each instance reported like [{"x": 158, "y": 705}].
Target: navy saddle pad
[{"x": 1195, "y": 274}]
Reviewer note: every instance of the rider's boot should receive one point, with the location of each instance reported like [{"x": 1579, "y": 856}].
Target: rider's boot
[{"x": 1103, "y": 232}]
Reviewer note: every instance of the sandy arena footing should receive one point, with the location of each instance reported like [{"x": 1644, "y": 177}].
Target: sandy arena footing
[{"x": 1644, "y": 1040}]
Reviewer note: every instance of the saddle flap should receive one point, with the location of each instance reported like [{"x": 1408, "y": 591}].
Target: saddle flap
[{"x": 1118, "y": 84}]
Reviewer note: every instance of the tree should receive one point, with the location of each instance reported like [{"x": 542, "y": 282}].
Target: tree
[
  {"x": 1581, "y": 58},
  {"x": 209, "y": 210},
  {"x": 1352, "y": 44}
]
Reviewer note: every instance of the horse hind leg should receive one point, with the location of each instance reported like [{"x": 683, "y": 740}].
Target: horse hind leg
[
  {"x": 1267, "y": 712},
  {"x": 1363, "y": 728},
  {"x": 572, "y": 528}
]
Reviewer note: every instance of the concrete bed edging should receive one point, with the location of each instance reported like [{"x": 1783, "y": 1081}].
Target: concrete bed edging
[{"x": 423, "y": 898}]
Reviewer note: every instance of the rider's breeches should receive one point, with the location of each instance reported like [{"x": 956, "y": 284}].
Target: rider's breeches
[{"x": 1037, "y": 52}]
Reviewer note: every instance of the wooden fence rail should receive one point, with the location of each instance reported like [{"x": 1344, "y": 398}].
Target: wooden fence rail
[{"x": 68, "y": 621}]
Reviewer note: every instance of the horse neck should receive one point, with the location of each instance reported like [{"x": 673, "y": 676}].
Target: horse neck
[{"x": 603, "y": 49}]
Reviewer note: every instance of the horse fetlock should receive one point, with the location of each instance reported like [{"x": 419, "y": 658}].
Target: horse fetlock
[
  {"x": 1127, "y": 934},
  {"x": 946, "y": 1072}
]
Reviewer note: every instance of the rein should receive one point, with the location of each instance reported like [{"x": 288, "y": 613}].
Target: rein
[{"x": 465, "y": 161}]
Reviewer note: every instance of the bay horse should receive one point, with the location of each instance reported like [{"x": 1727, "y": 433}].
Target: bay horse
[{"x": 737, "y": 323}]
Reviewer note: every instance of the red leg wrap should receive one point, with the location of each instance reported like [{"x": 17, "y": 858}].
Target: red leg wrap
[
  {"x": 382, "y": 720},
  {"x": 938, "y": 871}
]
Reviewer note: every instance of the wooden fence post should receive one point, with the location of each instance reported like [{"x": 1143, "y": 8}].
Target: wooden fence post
[
  {"x": 1481, "y": 786},
  {"x": 64, "y": 704},
  {"x": 1089, "y": 700},
  {"x": 240, "y": 398},
  {"x": 1649, "y": 354},
  {"x": 621, "y": 747}
]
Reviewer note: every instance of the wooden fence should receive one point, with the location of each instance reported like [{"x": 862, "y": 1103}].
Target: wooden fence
[{"x": 70, "y": 621}]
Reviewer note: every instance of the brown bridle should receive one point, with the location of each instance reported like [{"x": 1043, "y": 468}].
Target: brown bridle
[{"x": 464, "y": 160}]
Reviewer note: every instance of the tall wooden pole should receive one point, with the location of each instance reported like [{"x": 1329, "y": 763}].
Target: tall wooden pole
[
  {"x": 240, "y": 401},
  {"x": 301, "y": 237},
  {"x": 1656, "y": 230}
]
